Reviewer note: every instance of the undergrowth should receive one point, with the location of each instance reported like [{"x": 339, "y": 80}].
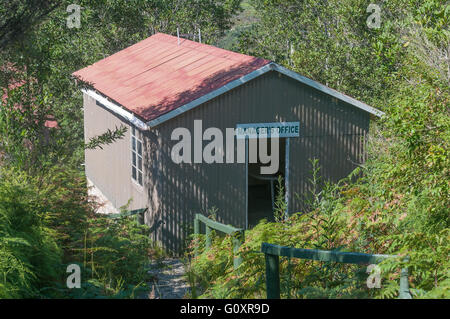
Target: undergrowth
[
  {"x": 342, "y": 217},
  {"x": 48, "y": 223}
]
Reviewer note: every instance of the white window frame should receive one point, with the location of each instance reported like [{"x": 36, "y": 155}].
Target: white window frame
[{"x": 137, "y": 158}]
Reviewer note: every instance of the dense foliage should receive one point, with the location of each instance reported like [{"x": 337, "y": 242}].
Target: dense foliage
[
  {"x": 47, "y": 221},
  {"x": 400, "y": 203},
  {"x": 397, "y": 205}
]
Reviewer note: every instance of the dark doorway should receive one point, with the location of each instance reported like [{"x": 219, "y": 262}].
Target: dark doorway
[{"x": 263, "y": 189}]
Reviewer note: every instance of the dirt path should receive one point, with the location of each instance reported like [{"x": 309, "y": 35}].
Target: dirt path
[{"x": 169, "y": 280}]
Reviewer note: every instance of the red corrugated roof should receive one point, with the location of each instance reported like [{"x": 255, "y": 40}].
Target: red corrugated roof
[{"x": 156, "y": 75}]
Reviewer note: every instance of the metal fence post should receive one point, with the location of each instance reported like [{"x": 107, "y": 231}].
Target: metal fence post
[
  {"x": 404, "y": 285},
  {"x": 208, "y": 237},
  {"x": 196, "y": 232},
  {"x": 237, "y": 242},
  {"x": 272, "y": 276},
  {"x": 141, "y": 218}
]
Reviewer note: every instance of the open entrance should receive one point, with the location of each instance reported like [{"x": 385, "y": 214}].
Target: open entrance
[{"x": 262, "y": 190}]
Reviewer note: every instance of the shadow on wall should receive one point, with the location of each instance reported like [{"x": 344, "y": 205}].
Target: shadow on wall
[
  {"x": 331, "y": 131},
  {"x": 210, "y": 84}
]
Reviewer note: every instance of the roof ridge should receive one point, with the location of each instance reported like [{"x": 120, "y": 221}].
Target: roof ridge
[
  {"x": 205, "y": 45},
  {"x": 156, "y": 78}
]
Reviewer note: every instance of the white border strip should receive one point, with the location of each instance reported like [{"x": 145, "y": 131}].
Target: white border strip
[
  {"x": 117, "y": 109},
  {"x": 271, "y": 66}
]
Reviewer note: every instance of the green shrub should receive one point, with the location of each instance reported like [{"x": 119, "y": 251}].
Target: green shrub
[
  {"x": 399, "y": 204},
  {"x": 29, "y": 252},
  {"x": 47, "y": 223}
]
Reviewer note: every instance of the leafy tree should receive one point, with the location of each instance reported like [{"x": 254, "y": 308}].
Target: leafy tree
[
  {"x": 47, "y": 219},
  {"x": 330, "y": 41},
  {"x": 47, "y": 52},
  {"x": 399, "y": 205}
]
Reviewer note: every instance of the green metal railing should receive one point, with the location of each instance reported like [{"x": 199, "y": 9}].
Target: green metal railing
[
  {"x": 273, "y": 252},
  {"x": 238, "y": 235},
  {"x": 138, "y": 212}
]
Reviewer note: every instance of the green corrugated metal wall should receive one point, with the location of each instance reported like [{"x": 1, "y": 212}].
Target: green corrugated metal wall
[{"x": 330, "y": 130}]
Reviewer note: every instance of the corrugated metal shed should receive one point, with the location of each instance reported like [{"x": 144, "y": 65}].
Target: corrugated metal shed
[
  {"x": 170, "y": 86},
  {"x": 156, "y": 75}
]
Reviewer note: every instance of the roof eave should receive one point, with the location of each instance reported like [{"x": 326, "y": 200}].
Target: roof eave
[{"x": 117, "y": 109}]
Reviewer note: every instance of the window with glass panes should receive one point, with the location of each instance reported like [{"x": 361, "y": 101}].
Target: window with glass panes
[{"x": 136, "y": 153}]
